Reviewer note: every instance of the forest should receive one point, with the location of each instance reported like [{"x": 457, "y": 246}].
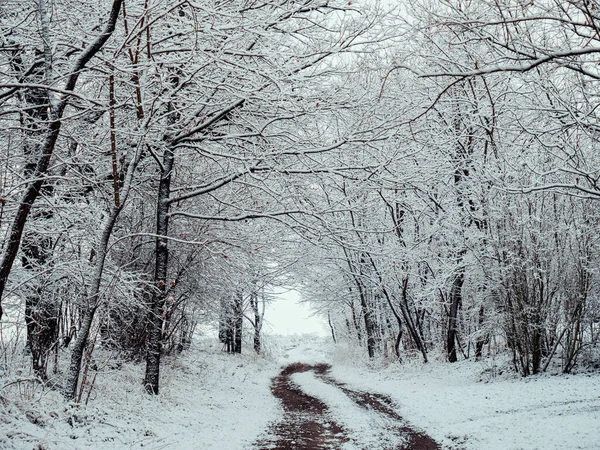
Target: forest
[{"x": 424, "y": 172}]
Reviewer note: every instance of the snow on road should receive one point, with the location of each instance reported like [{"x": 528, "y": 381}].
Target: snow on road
[
  {"x": 461, "y": 409},
  {"x": 311, "y": 349},
  {"x": 366, "y": 428},
  {"x": 213, "y": 401},
  {"x": 366, "y": 419},
  {"x": 464, "y": 406}
]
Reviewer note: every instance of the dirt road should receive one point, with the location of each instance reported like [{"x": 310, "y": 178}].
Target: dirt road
[{"x": 308, "y": 425}]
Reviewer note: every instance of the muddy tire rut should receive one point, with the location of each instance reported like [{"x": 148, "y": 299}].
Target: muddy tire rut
[{"x": 307, "y": 425}]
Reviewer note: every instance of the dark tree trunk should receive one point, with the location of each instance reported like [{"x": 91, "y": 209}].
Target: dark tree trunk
[
  {"x": 356, "y": 323},
  {"x": 455, "y": 302},
  {"x": 238, "y": 317},
  {"x": 257, "y": 321},
  {"x": 369, "y": 323},
  {"x": 331, "y": 327},
  {"x": 223, "y": 325},
  {"x": 230, "y": 336},
  {"x": 481, "y": 339},
  {"x": 536, "y": 353},
  {"x": 155, "y": 319}
]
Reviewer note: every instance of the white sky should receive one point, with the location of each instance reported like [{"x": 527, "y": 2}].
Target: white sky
[{"x": 286, "y": 315}]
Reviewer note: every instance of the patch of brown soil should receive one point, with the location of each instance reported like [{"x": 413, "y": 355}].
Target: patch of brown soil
[{"x": 305, "y": 424}]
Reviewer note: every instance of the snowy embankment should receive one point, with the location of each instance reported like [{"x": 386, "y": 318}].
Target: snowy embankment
[
  {"x": 460, "y": 409},
  {"x": 209, "y": 400}
]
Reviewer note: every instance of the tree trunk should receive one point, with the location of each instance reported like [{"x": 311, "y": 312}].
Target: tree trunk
[
  {"x": 331, "y": 327},
  {"x": 72, "y": 380},
  {"x": 480, "y": 339},
  {"x": 223, "y": 325},
  {"x": 356, "y": 323},
  {"x": 455, "y": 302},
  {"x": 369, "y": 323},
  {"x": 238, "y": 317},
  {"x": 159, "y": 296},
  {"x": 257, "y": 321}
]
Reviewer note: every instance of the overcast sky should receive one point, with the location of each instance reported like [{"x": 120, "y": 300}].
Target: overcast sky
[{"x": 286, "y": 315}]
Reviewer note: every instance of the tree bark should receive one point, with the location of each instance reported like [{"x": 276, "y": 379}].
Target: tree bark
[
  {"x": 455, "y": 302},
  {"x": 480, "y": 339},
  {"x": 257, "y": 321},
  {"x": 331, "y": 327},
  {"x": 72, "y": 380},
  {"x": 238, "y": 316},
  {"x": 155, "y": 320}
]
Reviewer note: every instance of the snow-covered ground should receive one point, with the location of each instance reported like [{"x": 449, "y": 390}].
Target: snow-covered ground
[
  {"x": 209, "y": 400},
  {"x": 466, "y": 405},
  {"x": 215, "y": 401},
  {"x": 462, "y": 407}
]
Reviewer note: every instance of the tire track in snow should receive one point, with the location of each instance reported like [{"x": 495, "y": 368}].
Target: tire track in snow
[
  {"x": 382, "y": 404},
  {"x": 307, "y": 423}
]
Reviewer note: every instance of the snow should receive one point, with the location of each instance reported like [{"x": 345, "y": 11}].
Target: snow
[
  {"x": 211, "y": 400},
  {"x": 369, "y": 429},
  {"x": 309, "y": 349},
  {"x": 460, "y": 408}
]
